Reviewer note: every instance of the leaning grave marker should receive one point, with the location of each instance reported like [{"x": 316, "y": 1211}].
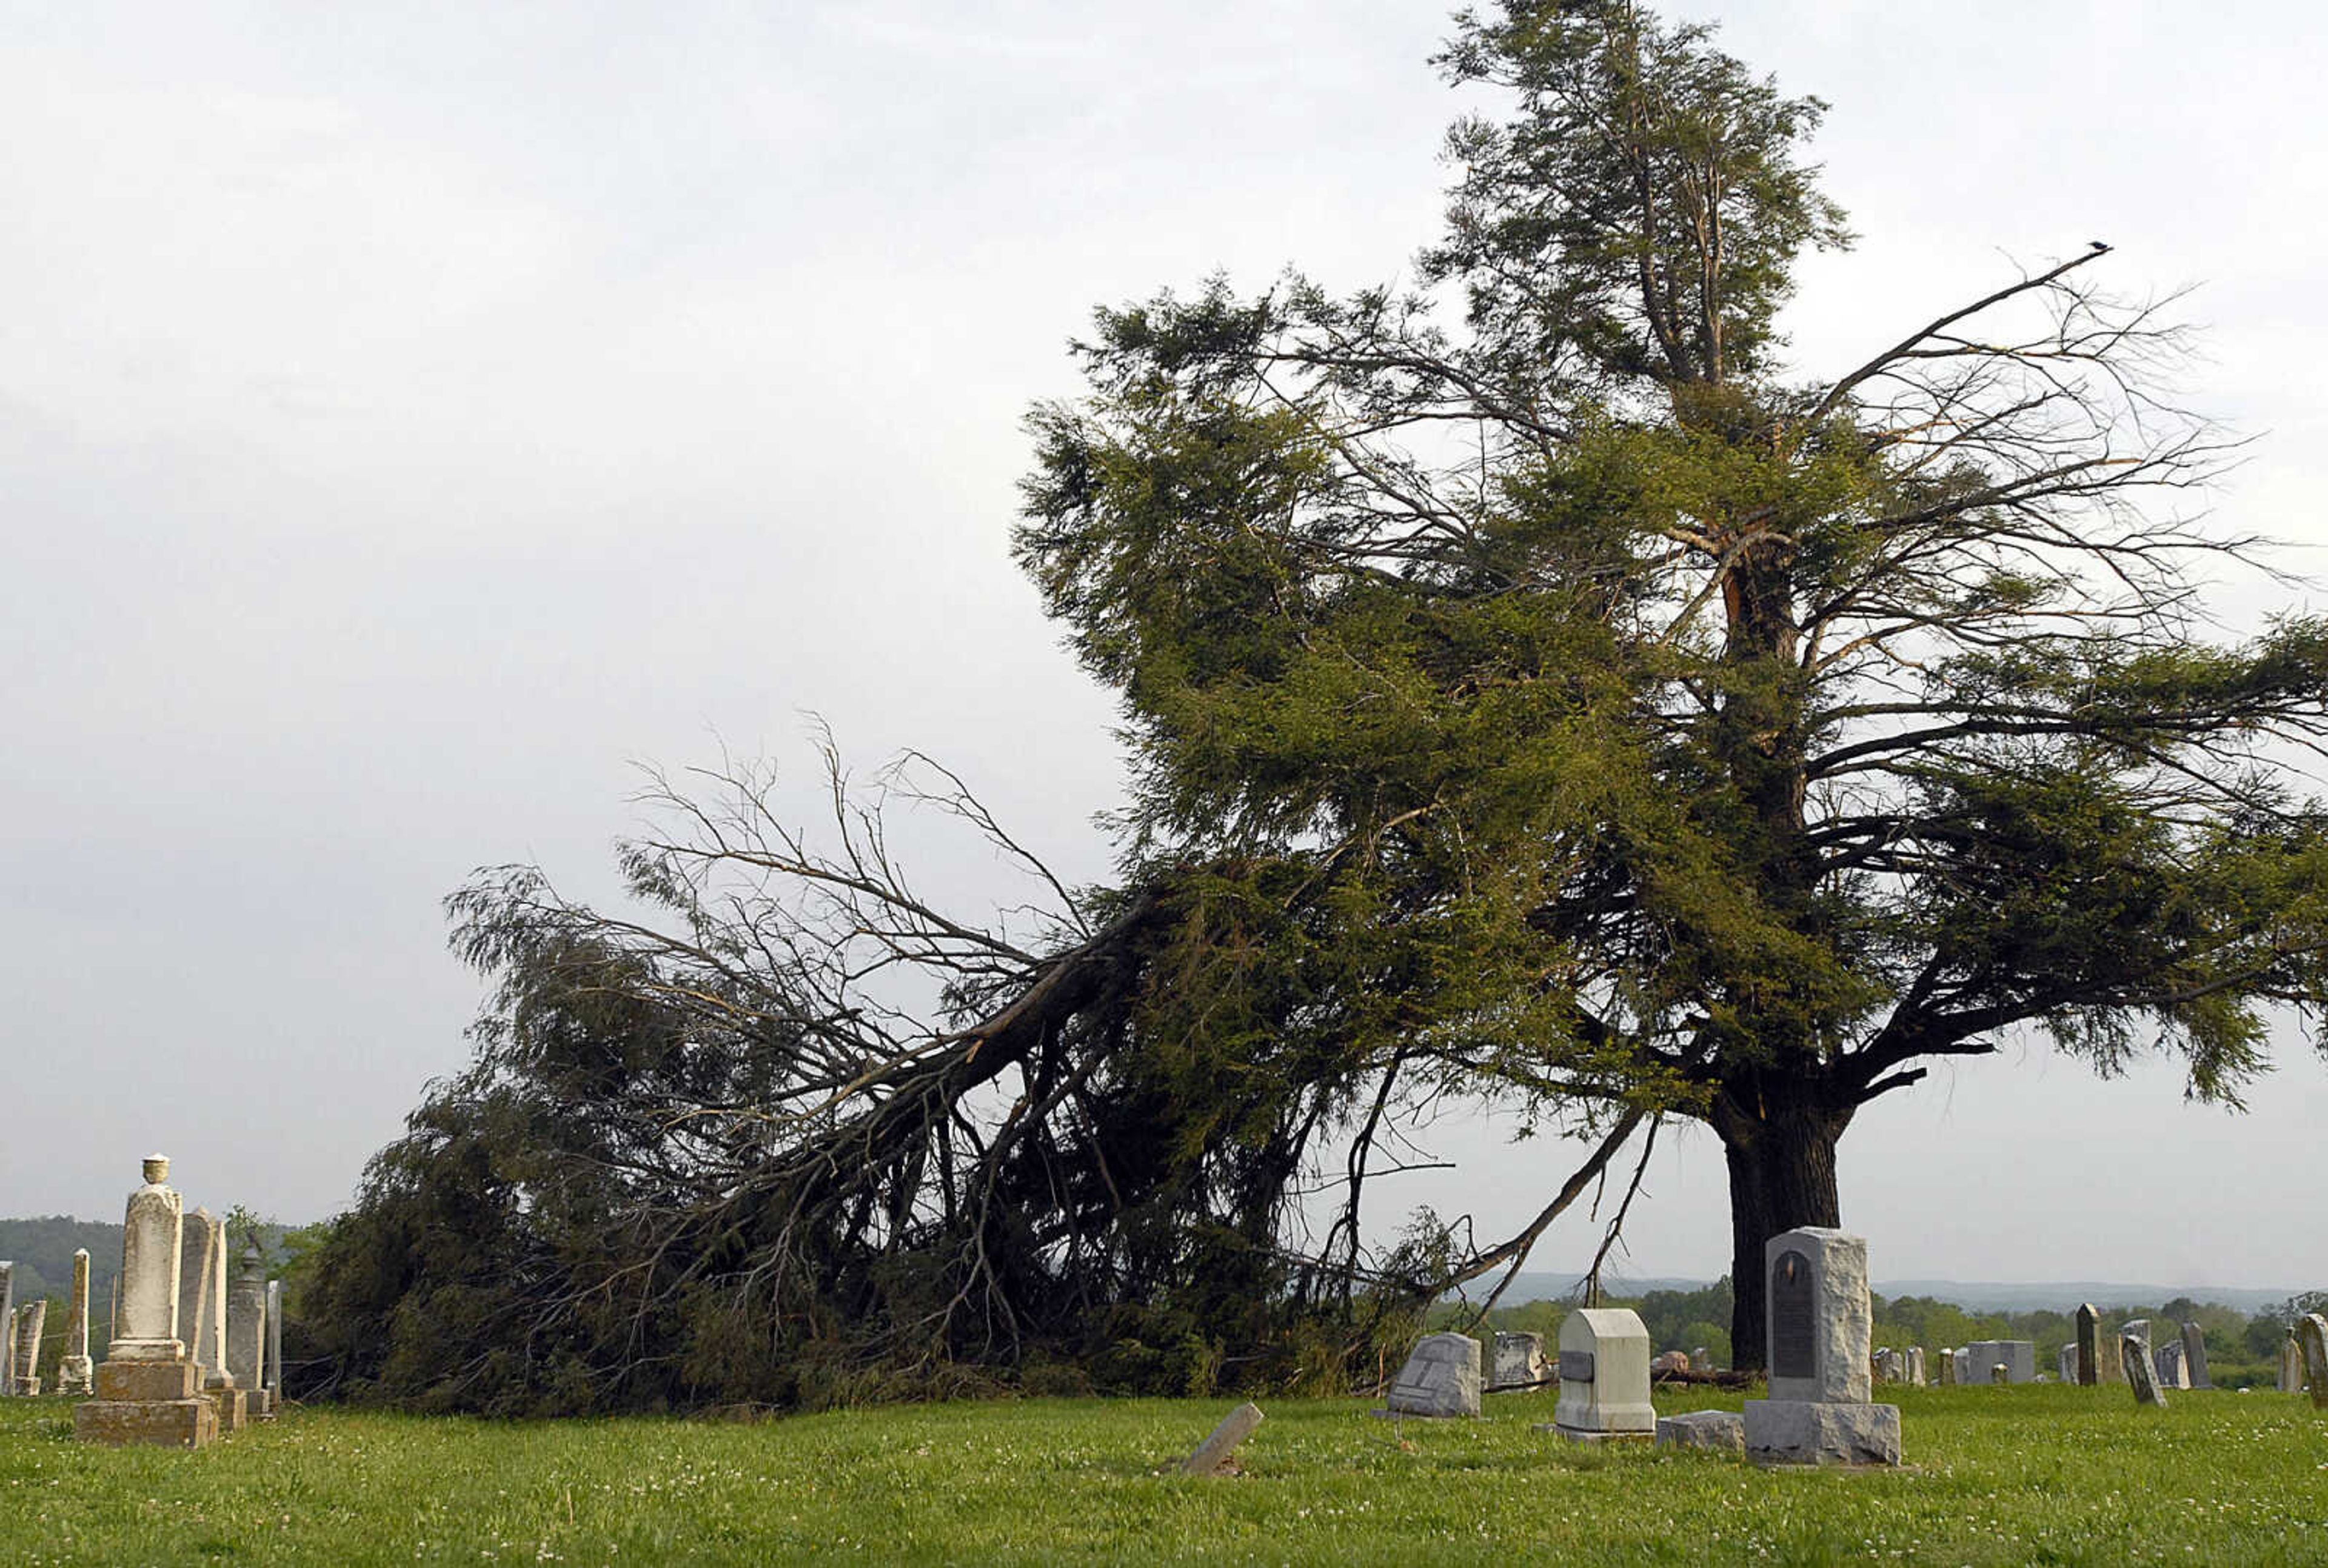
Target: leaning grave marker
[
  {"x": 2139, "y": 1375},
  {"x": 1440, "y": 1381},
  {"x": 2194, "y": 1356},
  {"x": 2312, "y": 1334},
  {"x": 32, "y": 1318},
  {"x": 1818, "y": 1412}
]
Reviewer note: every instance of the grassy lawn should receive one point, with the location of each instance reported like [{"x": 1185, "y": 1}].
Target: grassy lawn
[{"x": 2036, "y": 1474}]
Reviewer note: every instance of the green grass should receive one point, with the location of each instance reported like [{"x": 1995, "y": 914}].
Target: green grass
[{"x": 2037, "y": 1474}]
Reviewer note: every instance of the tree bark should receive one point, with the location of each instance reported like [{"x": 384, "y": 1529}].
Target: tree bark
[{"x": 1779, "y": 1143}]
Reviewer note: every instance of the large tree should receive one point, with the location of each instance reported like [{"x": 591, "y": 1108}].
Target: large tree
[{"x": 1679, "y": 730}]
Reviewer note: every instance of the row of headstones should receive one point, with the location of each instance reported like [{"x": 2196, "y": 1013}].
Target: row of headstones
[
  {"x": 2177, "y": 1363},
  {"x": 190, "y": 1354},
  {"x": 20, "y": 1344},
  {"x": 2099, "y": 1355},
  {"x": 1818, "y": 1411}
]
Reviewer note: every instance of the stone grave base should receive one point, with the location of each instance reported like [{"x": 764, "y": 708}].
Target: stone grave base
[
  {"x": 28, "y": 1388},
  {"x": 148, "y": 1380},
  {"x": 1718, "y": 1430},
  {"x": 262, "y": 1404},
  {"x": 73, "y": 1375},
  {"x": 1802, "y": 1431},
  {"x": 161, "y": 1423},
  {"x": 1579, "y": 1434},
  {"x": 233, "y": 1407}
]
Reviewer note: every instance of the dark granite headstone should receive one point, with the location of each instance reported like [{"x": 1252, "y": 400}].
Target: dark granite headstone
[
  {"x": 2090, "y": 1335},
  {"x": 1794, "y": 1335}
]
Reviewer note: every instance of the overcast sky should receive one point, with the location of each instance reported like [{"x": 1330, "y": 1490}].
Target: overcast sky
[{"x": 413, "y": 416}]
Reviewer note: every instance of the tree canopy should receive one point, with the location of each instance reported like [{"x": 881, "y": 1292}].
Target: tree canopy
[{"x": 1743, "y": 739}]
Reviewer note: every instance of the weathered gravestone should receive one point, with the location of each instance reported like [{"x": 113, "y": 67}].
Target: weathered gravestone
[
  {"x": 1702, "y": 1358},
  {"x": 1440, "y": 1379},
  {"x": 202, "y": 1313},
  {"x": 32, "y": 1318},
  {"x": 1520, "y": 1362},
  {"x": 194, "y": 1284},
  {"x": 273, "y": 1345},
  {"x": 2194, "y": 1358},
  {"x": 8, "y": 1321},
  {"x": 2139, "y": 1376},
  {"x": 147, "y": 1386},
  {"x": 1604, "y": 1376},
  {"x": 1721, "y": 1431},
  {"x": 2291, "y": 1367},
  {"x": 2312, "y": 1334},
  {"x": 73, "y": 1369},
  {"x": 1948, "y": 1365},
  {"x": 1213, "y": 1456},
  {"x": 246, "y": 1330},
  {"x": 2097, "y": 1349},
  {"x": 1916, "y": 1378},
  {"x": 2167, "y": 1361},
  {"x": 1883, "y": 1366},
  {"x": 1817, "y": 1315},
  {"x": 1669, "y": 1361},
  {"x": 2065, "y": 1364},
  {"x": 2018, "y": 1357},
  {"x": 1963, "y": 1358}
]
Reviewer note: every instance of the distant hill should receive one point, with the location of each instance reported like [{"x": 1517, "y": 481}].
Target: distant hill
[
  {"x": 42, "y": 1250},
  {"x": 1973, "y": 1296},
  {"x": 1533, "y": 1286},
  {"x": 1983, "y": 1296}
]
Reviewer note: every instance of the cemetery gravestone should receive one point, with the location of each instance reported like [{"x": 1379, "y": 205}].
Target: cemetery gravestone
[
  {"x": 1519, "y": 1361},
  {"x": 2018, "y": 1357},
  {"x": 1948, "y": 1367},
  {"x": 2167, "y": 1360},
  {"x": 246, "y": 1328},
  {"x": 2291, "y": 1367},
  {"x": 273, "y": 1345},
  {"x": 1604, "y": 1375},
  {"x": 2135, "y": 1356},
  {"x": 1670, "y": 1361},
  {"x": 1818, "y": 1411},
  {"x": 2066, "y": 1364},
  {"x": 74, "y": 1370},
  {"x": 1916, "y": 1366},
  {"x": 2194, "y": 1358},
  {"x": 2097, "y": 1349},
  {"x": 1214, "y": 1454},
  {"x": 2312, "y": 1334},
  {"x": 203, "y": 1292},
  {"x": 194, "y": 1284},
  {"x": 8, "y": 1321},
  {"x": 1440, "y": 1380},
  {"x": 1721, "y": 1431},
  {"x": 31, "y": 1319},
  {"x": 147, "y": 1386}
]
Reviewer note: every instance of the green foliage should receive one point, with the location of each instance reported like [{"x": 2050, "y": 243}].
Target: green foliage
[
  {"x": 42, "y": 1249},
  {"x": 1642, "y": 727}
]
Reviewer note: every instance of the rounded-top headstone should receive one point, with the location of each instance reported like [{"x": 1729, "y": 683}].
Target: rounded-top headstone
[{"x": 157, "y": 1169}]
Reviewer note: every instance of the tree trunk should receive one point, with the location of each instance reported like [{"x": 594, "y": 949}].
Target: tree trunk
[{"x": 1780, "y": 1148}]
